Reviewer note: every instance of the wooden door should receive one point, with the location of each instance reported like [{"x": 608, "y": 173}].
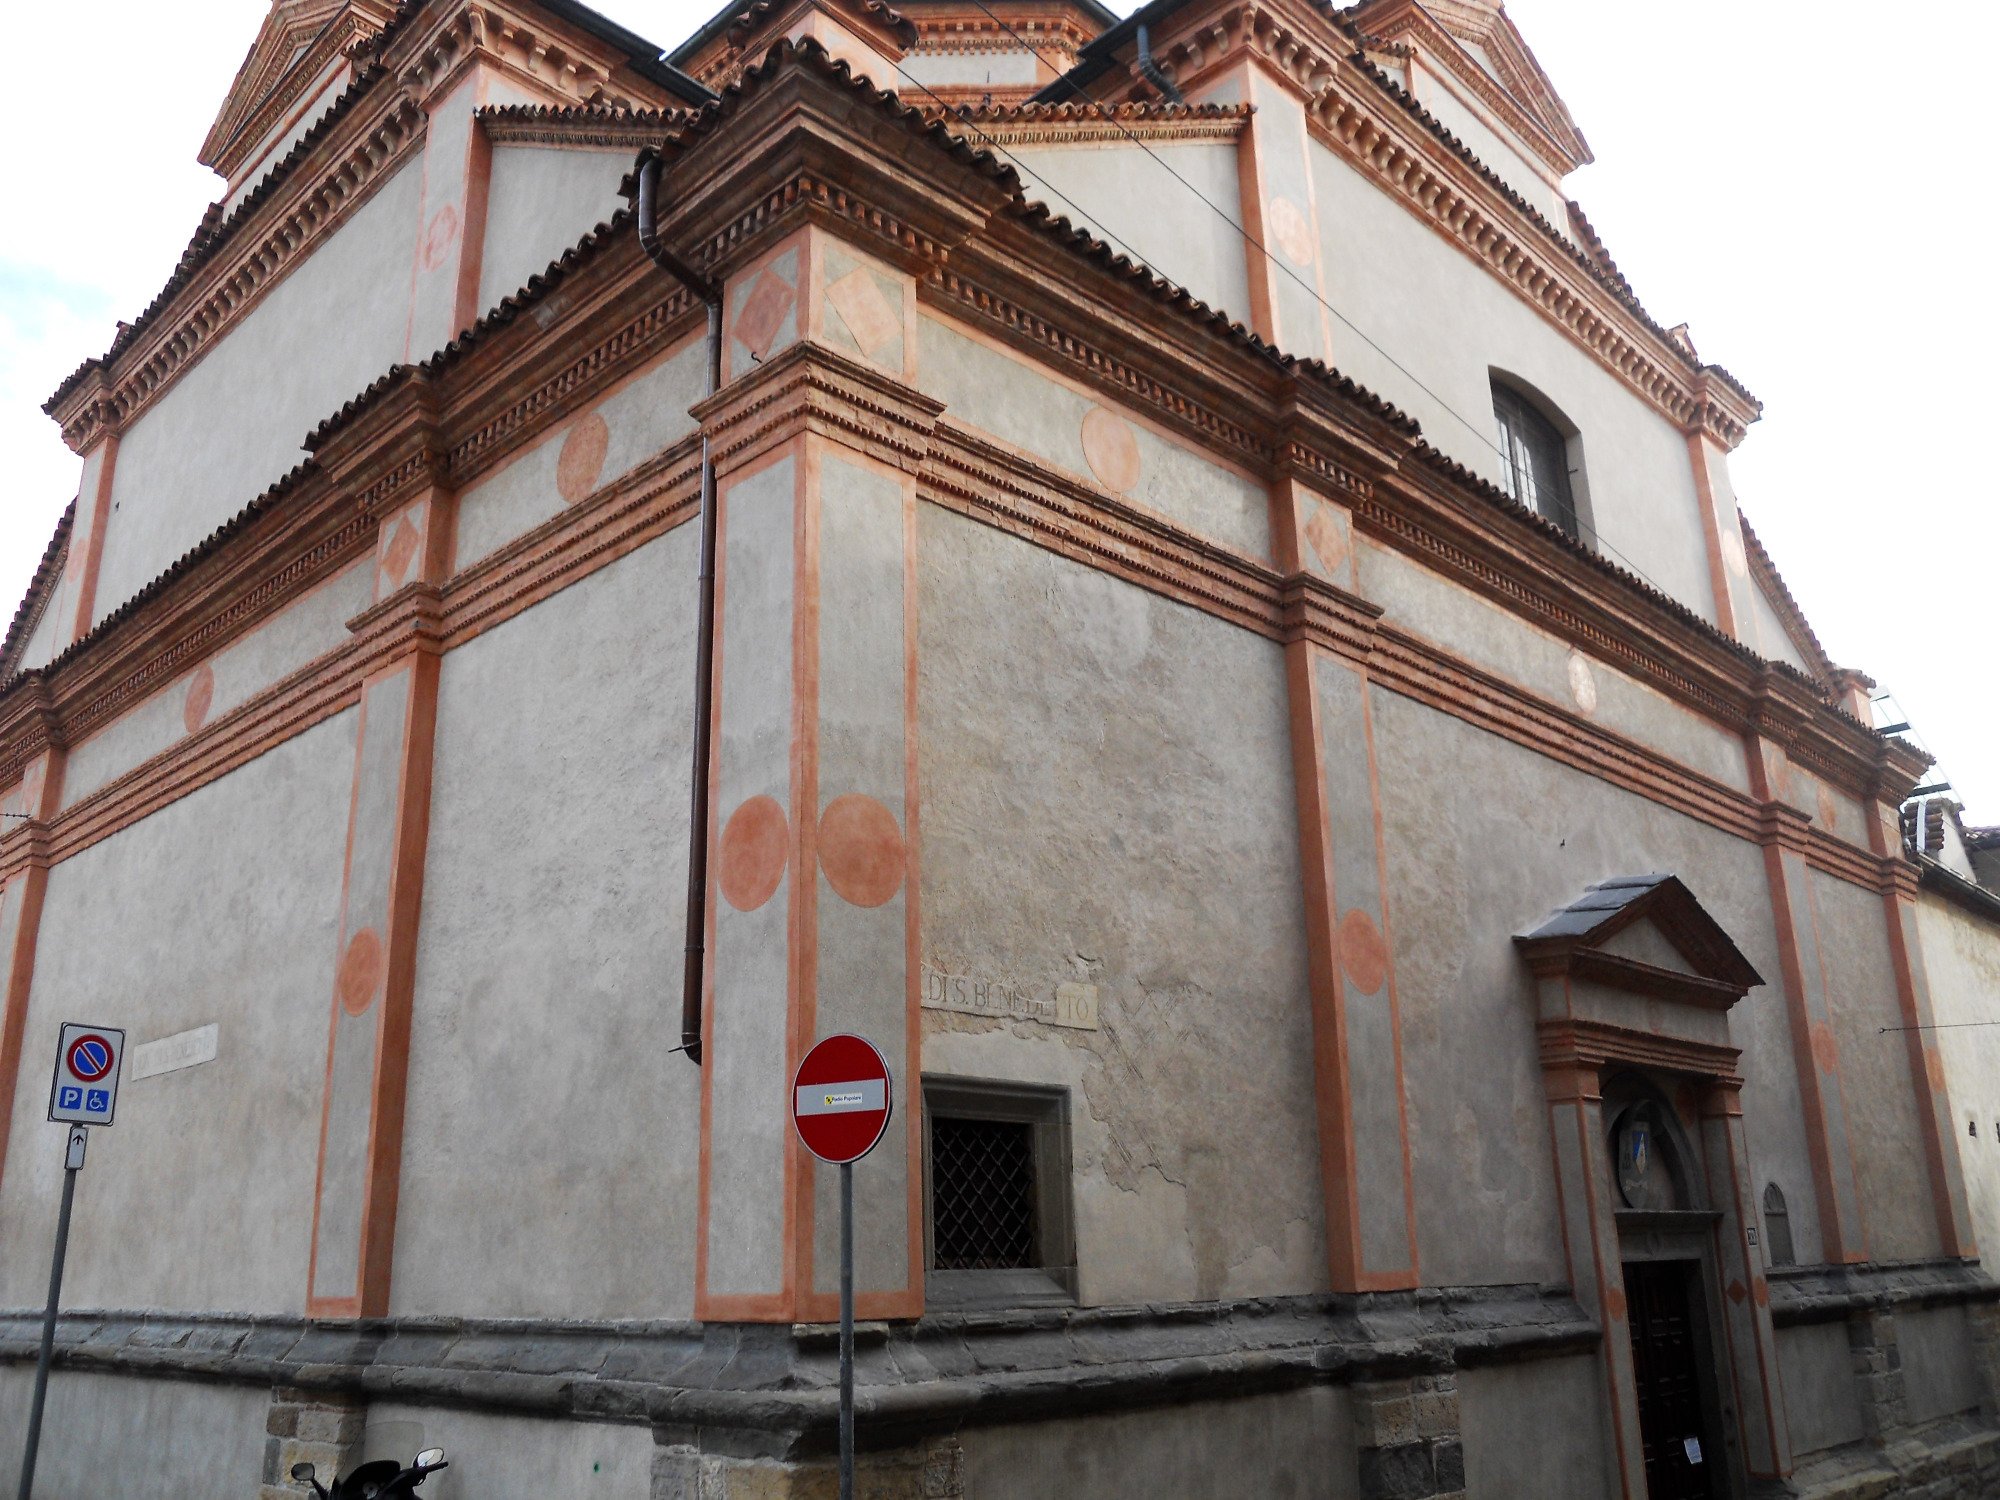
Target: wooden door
[{"x": 1681, "y": 1458}]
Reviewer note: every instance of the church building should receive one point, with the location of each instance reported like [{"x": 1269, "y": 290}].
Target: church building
[{"x": 1153, "y": 567}]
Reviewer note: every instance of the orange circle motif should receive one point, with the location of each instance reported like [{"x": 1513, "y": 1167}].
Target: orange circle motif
[
  {"x": 1363, "y": 954},
  {"x": 861, "y": 850},
  {"x": 440, "y": 237},
  {"x": 1110, "y": 449},
  {"x": 362, "y": 969},
  {"x": 1291, "y": 230},
  {"x": 752, "y": 853},
  {"x": 582, "y": 458},
  {"x": 200, "y": 698}
]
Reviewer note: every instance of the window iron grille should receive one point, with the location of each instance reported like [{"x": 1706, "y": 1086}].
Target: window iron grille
[{"x": 982, "y": 1195}]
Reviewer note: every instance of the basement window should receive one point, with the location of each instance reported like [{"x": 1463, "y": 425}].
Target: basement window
[{"x": 996, "y": 1169}]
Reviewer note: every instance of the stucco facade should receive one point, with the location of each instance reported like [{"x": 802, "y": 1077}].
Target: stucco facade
[{"x": 1430, "y": 948}]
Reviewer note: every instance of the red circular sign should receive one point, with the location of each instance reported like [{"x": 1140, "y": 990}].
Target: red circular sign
[
  {"x": 842, "y": 1098},
  {"x": 90, "y": 1057}
]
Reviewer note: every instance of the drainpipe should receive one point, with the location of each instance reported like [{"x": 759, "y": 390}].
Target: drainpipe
[
  {"x": 1150, "y": 70},
  {"x": 704, "y": 638}
]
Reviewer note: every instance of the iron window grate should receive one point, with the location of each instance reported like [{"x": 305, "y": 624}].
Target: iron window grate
[{"x": 982, "y": 1195}]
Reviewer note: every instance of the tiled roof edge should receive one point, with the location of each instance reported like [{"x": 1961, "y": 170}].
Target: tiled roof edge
[
  {"x": 1784, "y": 605},
  {"x": 28, "y": 614},
  {"x": 1611, "y": 281},
  {"x": 216, "y": 231}
]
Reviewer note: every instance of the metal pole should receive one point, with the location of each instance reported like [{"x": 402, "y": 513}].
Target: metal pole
[
  {"x": 73, "y": 1163},
  {"x": 846, "y": 1330}
]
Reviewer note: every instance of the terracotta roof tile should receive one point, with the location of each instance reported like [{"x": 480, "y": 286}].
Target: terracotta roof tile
[
  {"x": 29, "y": 613},
  {"x": 1786, "y": 607}
]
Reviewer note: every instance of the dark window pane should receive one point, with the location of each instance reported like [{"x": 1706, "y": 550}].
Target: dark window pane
[
  {"x": 1778, "y": 1226},
  {"x": 982, "y": 1195},
  {"x": 1537, "y": 459}
]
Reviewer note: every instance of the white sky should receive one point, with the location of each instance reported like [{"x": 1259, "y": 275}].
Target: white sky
[{"x": 1786, "y": 178}]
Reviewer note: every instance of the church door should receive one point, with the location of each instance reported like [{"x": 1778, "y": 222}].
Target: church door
[{"x": 1680, "y": 1459}]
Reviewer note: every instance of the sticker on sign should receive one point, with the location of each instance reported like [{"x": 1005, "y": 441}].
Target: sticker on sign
[
  {"x": 85, "y": 1088},
  {"x": 842, "y": 1098}
]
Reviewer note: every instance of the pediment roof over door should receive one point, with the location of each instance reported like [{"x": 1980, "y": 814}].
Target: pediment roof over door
[
  {"x": 1584, "y": 938},
  {"x": 293, "y": 46},
  {"x": 1483, "y": 47}
]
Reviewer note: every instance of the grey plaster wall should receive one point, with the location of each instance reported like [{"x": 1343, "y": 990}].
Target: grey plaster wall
[
  {"x": 1450, "y": 322},
  {"x": 1137, "y": 206},
  {"x": 515, "y": 1458},
  {"x": 941, "y": 68},
  {"x": 1294, "y": 1446},
  {"x": 550, "y": 1155},
  {"x": 234, "y": 422},
  {"x": 1533, "y": 1429},
  {"x": 1485, "y": 839},
  {"x": 105, "y": 1435},
  {"x": 1439, "y": 610},
  {"x": 1822, "y": 1402},
  {"x": 41, "y": 646},
  {"x": 1108, "y": 800},
  {"x": 220, "y": 908},
  {"x": 1506, "y": 157},
  {"x": 1771, "y": 638},
  {"x": 1961, "y": 956},
  {"x": 541, "y": 200},
  {"x": 1939, "y": 1373},
  {"x": 299, "y": 634},
  {"x": 641, "y": 416},
  {"x": 1020, "y": 405},
  {"x": 1890, "y": 1165}
]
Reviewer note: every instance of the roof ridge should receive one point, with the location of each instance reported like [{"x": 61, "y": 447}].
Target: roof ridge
[{"x": 1785, "y": 605}]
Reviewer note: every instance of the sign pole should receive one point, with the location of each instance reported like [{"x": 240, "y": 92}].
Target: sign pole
[
  {"x": 847, "y": 1330},
  {"x": 72, "y": 1164},
  {"x": 842, "y": 1097}
]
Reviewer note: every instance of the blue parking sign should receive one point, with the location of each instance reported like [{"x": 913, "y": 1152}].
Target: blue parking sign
[{"x": 89, "y": 1061}]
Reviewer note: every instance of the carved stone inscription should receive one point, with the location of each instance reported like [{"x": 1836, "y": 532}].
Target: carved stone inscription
[{"x": 1073, "y": 1005}]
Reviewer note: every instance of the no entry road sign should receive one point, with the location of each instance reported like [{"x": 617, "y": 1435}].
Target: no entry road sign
[
  {"x": 88, "y": 1062},
  {"x": 842, "y": 1098}
]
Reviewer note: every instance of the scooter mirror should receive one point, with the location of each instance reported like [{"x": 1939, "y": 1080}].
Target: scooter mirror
[
  {"x": 430, "y": 1458},
  {"x": 304, "y": 1473}
]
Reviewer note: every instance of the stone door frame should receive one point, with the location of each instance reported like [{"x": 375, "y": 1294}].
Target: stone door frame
[{"x": 1601, "y": 1013}]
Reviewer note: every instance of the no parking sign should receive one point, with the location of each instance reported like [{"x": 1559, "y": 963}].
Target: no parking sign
[{"x": 88, "y": 1062}]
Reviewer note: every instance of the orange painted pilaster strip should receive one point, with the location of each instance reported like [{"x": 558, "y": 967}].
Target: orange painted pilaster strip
[
  {"x": 38, "y": 795},
  {"x": 1258, "y": 272},
  {"x": 472, "y": 241},
  {"x": 356, "y": 1193},
  {"x": 92, "y": 518},
  {"x": 1927, "y": 1078},
  {"x": 1815, "y": 1049},
  {"x": 1711, "y": 532}
]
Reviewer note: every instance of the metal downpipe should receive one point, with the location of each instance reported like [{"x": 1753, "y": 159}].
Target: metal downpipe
[
  {"x": 1150, "y": 70},
  {"x": 704, "y": 647}
]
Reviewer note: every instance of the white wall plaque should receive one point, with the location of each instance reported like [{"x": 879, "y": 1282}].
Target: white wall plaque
[
  {"x": 1073, "y": 1005},
  {"x": 182, "y": 1050}
]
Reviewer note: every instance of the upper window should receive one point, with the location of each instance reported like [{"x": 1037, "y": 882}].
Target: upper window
[
  {"x": 1777, "y": 1228},
  {"x": 1537, "y": 458}
]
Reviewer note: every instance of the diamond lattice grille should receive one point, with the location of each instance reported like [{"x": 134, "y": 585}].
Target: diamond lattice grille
[{"x": 982, "y": 1195}]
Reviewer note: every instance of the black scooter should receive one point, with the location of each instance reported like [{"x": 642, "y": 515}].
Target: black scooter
[{"x": 384, "y": 1479}]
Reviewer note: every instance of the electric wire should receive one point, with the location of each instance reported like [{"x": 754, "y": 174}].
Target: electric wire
[{"x": 1477, "y": 430}]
